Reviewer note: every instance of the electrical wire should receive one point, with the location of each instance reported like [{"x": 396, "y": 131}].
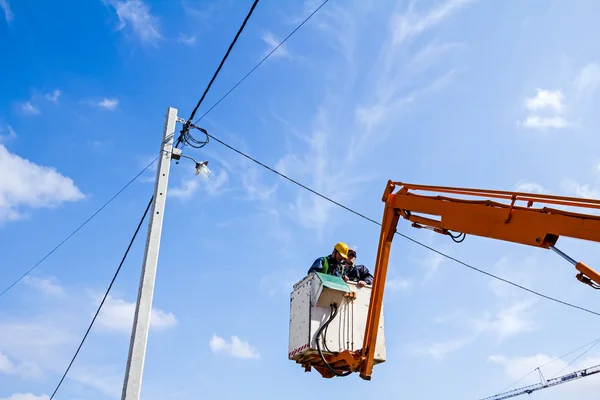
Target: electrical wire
[
  {"x": 78, "y": 228},
  {"x": 104, "y": 298},
  {"x": 401, "y": 234},
  {"x": 261, "y": 61},
  {"x": 186, "y": 127}
]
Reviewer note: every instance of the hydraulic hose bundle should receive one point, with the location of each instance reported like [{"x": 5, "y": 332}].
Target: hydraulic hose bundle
[{"x": 322, "y": 332}]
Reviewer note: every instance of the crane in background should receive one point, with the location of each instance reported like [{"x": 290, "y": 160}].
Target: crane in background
[
  {"x": 582, "y": 373},
  {"x": 487, "y": 213}
]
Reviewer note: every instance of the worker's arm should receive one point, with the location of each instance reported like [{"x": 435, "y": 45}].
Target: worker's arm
[
  {"x": 365, "y": 275},
  {"x": 317, "y": 266}
]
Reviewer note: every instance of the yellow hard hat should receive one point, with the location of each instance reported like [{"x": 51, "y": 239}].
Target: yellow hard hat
[{"x": 342, "y": 248}]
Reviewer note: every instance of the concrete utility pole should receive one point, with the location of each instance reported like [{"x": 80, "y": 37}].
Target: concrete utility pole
[{"x": 132, "y": 383}]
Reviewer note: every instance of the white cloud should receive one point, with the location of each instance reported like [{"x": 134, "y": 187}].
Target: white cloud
[
  {"x": 28, "y": 108},
  {"x": 271, "y": 40},
  {"x": 25, "y": 396},
  {"x": 28, "y": 185},
  {"x": 24, "y": 369},
  {"x": 8, "y": 14},
  {"x": 236, "y": 347},
  {"x": 107, "y": 380},
  {"x": 214, "y": 185},
  {"x": 188, "y": 40},
  {"x": 553, "y": 104},
  {"x": 47, "y": 286},
  {"x": 440, "y": 350},
  {"x": 536, "y": 122},
  {"x": 9, "y": 135},
  {"x": 186, "y": 190},
  {"x": 508, "y": 322},
  {"x": 117, "y": 315},
  {"x": 530, "y": 187},
  {"x": 520, "y": 366},
  {"x": 137, "y": 14},
  {"x": 53, "y": 97},
  {"x": 279, "y": 282},
  {"x": 545, "y": 99},
  {"x": 398, "y": 284},
  {"x": 588, "y": 79},
  {"x": 106, "y": 103},
  {"x": 577, "y": 189},
  {"x": 410, "y": 24}
]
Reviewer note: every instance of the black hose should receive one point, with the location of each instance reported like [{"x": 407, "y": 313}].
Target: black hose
[{"x": 321, "y": 329}]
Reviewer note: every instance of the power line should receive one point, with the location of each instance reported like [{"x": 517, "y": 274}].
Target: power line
[
  {"x": 401, "y": 234},
  {"x": 261, "y": 61},
  {"x": 224, "y": 59},
  {"x": 104, "y": 298},
  {"x": 78, "y": 228}
]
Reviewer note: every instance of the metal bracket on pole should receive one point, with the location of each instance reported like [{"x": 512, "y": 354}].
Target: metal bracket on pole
[{"x": 132, "y": 383}]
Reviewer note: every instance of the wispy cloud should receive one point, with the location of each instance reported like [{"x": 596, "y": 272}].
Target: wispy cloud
[
  {"x": 106, "y": 103},
  {"x": 25, "y": 396},
  {"x": 356, "y": 117},
  {"x": 271, "y": 40},
  {"x": 236, "y": 347},
  {"x": 588, "y": 79},
  {"x": 8, "y": 14},
  {"x": 518, "y": 367},
  {"x": 117, "y": 315},
  {"x": 398, "y": 284},
  {"x": 29, "y": 109},
  {"x": 203, "y": 13},
  {"x": 27, "y": 370},
  {"x": 577, "y": 189},
  {"x": 214, "y": 185},
  {"x": 48, "y": 286},
  {"x": 530, "y": 187},
  {"x": 53, "y": 97},
  {"x": 7, "y": 133},
  {"x": 137, "y": 14},
  {"x": 31, "y": 186},
  {"x": 189, "y": 40},
  {"x": 410, "y": 24}
]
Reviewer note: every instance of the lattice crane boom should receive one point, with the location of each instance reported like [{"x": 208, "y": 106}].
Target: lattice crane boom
[{"x": 544, "y": 384}]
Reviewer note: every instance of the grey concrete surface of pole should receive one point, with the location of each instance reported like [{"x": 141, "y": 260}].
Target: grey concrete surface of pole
[{"x": 132, "y": 382}]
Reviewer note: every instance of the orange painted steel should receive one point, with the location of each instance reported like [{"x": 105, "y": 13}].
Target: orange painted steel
[{"x": 508, "y": 221}]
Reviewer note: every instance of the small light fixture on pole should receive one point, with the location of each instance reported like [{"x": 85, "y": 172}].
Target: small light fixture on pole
[{"x": 201, "y": 167}]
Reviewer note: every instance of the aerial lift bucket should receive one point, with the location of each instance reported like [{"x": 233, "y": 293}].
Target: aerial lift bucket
[{"x": 327, "y": 325}]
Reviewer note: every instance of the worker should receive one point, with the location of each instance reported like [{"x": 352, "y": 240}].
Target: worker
[
  {"x": 332, "y": 264},
  {"x": 357, "y": 273}
]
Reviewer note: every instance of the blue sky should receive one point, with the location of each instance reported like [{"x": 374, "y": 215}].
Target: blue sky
[{"x": 498, "y": 95}]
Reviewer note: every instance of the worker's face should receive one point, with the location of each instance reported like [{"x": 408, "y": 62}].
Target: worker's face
[
  {"x": 350, "y": 260},
  {"x": 338, "y": 257}
]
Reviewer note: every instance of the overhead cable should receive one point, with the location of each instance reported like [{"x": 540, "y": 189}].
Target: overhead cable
[
  {"x": 78, "y": 228},
  {"x": 104, "y": 298},
  {"x": 237, "y": 35},
  {"x": 262, "y": 61},
  {"x": 401, "y": 234}
]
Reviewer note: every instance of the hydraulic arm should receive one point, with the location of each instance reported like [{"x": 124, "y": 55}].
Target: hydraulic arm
[{"x": 508, "y": 216}]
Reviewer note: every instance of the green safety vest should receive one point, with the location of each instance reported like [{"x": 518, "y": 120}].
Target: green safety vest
[{"x": 326, "y": 266}]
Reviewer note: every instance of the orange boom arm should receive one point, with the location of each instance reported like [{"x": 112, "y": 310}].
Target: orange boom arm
[{"x": 508, "y": 216}]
